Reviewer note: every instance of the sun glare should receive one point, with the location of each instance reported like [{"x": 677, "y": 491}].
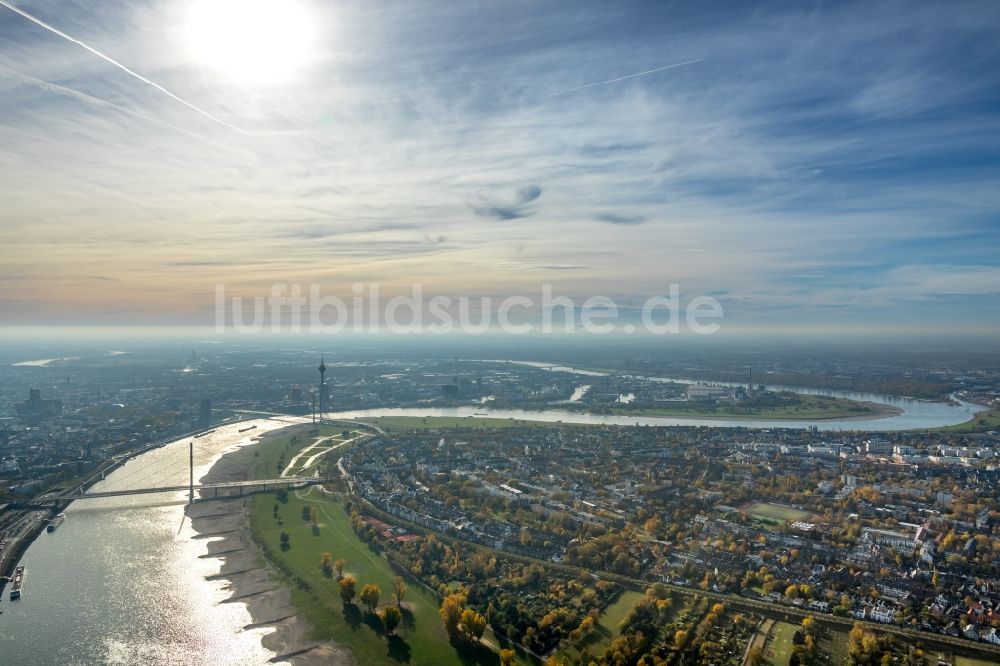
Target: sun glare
[{"x": 250, "y": 41}]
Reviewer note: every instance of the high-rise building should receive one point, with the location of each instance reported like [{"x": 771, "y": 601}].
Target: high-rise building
[{"x": 36, "y": 409}]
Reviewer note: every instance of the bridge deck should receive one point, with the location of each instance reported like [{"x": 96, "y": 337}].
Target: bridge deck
[{"x": 286, "y": 482}]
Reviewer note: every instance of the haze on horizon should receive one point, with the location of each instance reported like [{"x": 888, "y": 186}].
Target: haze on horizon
[{"x": 805, "y": 164}]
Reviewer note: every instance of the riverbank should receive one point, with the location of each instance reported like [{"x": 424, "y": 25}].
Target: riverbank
[
  {"x": 225, "y": 525},
  {"x": 875, "y": 411}
]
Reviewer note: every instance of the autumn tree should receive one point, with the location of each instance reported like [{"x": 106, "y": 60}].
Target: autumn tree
[
  {"x": 473, "y": 624},
  {"x": 370, "y": 595},
  {"x": 399, "y": 590},
  {"x": 347, "y": 588},
  {"x": 451, "y": 612},
  {"x": 339, "y": 568},
  {"x": 326, "y": 563},
  {"x": 391, "y": 618}
]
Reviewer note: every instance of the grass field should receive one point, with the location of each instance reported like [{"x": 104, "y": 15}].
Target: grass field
[
  {"x": 778, "y": 647},
  {"x": 981, "y": 422},
  {"x": 806, "y": 407},
  {"x": 834, "y": 644},
  {"x": 776, "y": 512},
  {"x": 421, "y": 639},
  {"x": 606, "y": 628}
]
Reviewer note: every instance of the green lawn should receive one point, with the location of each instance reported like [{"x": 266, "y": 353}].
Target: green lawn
[
  {"x": 807, "y": 407},
  {"x": 778, "y": 647},
  {"x": 324, "y": 447},
  {"x": 981, "y": 422},
  {"x": 421, "y": 640}
]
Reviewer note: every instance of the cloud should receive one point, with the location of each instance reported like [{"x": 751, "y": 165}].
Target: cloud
[
  {"x": 529, "y": 193},
  {"x": 612, "y": 218},
  {"x": 515, "y": 209}
]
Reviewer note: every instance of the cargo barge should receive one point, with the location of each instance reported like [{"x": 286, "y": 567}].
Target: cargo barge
[
  {"x": 17, "y": 582},
  {"x": 56, "y": 522}
]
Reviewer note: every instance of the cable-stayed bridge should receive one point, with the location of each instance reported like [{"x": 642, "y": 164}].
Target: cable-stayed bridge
[
  {"x": 204, "y": 490},
  {"x": 165, "y": 467}
]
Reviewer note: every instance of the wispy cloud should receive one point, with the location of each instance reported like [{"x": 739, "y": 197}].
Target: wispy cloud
[
  {"x": 614, "y": 218},
  {"x": 818, "y": 158}
]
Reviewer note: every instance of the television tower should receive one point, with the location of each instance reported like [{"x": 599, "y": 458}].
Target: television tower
[{"x": 322, "y": 387}]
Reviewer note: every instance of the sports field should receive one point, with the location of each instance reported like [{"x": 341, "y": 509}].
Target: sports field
[
  {"x": 778, "y": 648},
  {"x": 774, "y": 512}
]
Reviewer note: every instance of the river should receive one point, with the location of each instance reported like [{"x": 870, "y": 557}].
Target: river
[{"x": 122, "y": 580}]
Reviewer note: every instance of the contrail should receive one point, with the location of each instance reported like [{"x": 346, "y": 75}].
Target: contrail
[
  {"x": 621, "y": 78},
  {"x": 56, "y": 31},
  {"x": 57, "y": 89}
]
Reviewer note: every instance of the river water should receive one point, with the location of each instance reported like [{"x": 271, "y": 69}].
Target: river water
[{"x": 122, "y": 581}]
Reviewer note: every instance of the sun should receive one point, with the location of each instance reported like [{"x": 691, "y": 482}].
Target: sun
[{"x": 250, "y": 41}]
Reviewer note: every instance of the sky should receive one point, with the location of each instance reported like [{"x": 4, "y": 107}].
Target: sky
[{"x": 805, "y": 163}]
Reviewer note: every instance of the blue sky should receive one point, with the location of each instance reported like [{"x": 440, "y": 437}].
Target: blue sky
[{"x": 812, "y": 163}]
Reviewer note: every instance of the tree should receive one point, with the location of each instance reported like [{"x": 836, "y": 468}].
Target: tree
[
  {"x": 347, "y": 589},
  {"x": 370, "y": 595},
  {"x": 507, "y": 657},
  {"x": 857, "y": 633},
  {"x": 339, "y": 568},
  {"x": 391, "y": 617},
  {"x": 791, "y": 591},
  {"x": 314, "y": 516},
  {"x": 399, "y": 590},
  {"x": 473, "y": 623},
  {"x": 451, "y": 612},
  {"x": 306, "y": 513},
  {"x": 285, "y": 541},
  {"x": 326, "y": 563},
  {"x": 680, "y": 637}
]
